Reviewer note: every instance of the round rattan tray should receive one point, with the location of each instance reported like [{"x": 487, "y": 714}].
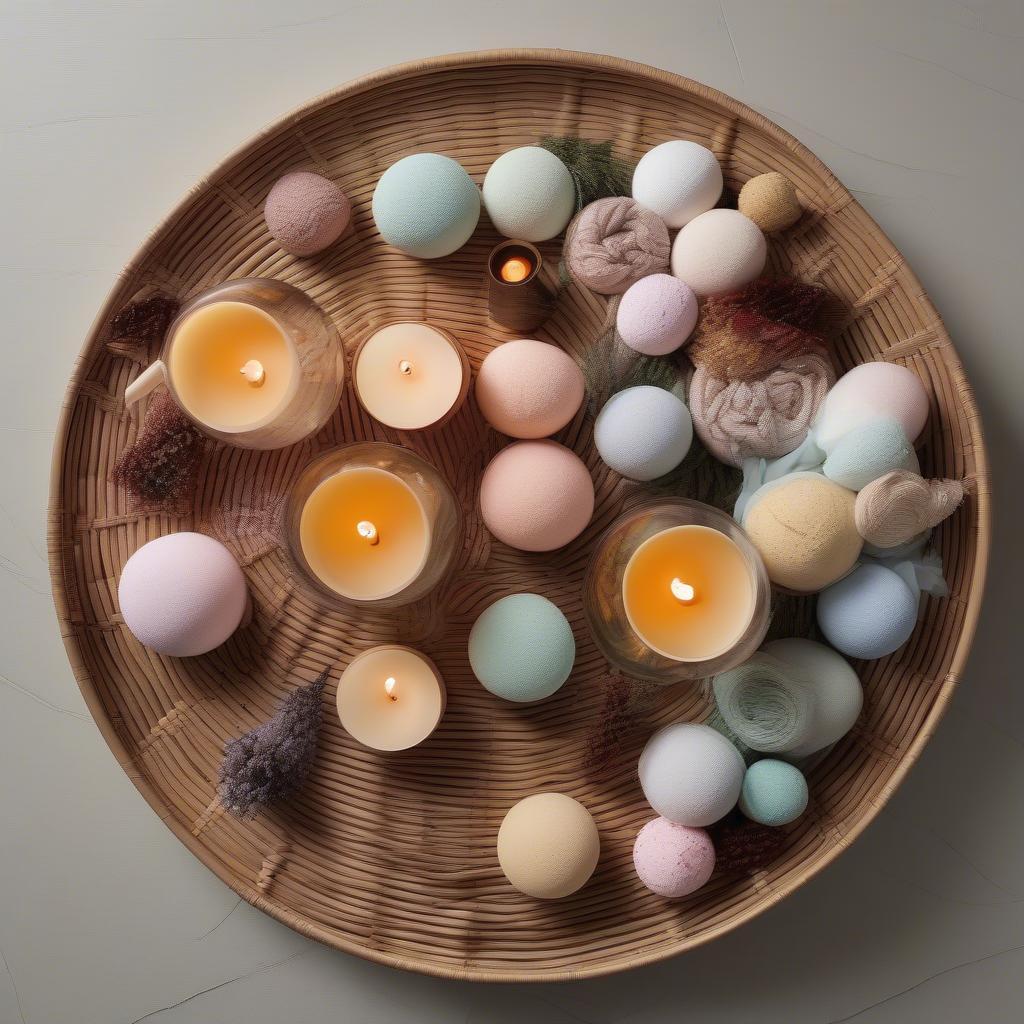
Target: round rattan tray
[{"x": 392, "y": 858}]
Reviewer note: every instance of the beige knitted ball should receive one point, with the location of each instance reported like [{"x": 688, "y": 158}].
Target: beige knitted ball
[
  {"x": 770, "y": 201},
  {"x": 803, "y": 527}
]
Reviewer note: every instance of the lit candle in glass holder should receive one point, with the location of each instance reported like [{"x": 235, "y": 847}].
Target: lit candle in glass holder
[{"x": 390, "y": 698}]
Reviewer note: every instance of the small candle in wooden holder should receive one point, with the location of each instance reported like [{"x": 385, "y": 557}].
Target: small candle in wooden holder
[{"x": 516, "y": 295}]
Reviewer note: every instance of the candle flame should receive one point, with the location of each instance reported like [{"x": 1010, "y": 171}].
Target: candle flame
[
  {"x": 515, "y": 269},
  {"x": 254, "y": 373},
  {"x": 405, "y": 367},
  {"x": 683, "y": 592},
  {"x": 389, "y": 687},
  {"x": 367, "y": 530}
]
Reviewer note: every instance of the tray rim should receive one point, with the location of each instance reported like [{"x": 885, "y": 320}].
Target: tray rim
[{"x": 526, "y": 56}]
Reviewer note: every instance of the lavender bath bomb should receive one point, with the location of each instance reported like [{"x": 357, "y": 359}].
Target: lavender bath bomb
[
  {"x": 306, "y": 212},
  {"x": 719, "y": 252},
  {"x": 529, "y": 389},
  {"x": 657, "y": 315}
]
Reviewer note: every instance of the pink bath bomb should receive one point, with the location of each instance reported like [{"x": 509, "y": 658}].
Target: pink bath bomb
[
  {"x": 182, "y": 594},
  {"x": 673, "y": 860},
  {"x": 657, "y": 315},
  {"x": 529, "y": 388},
  {"x": 536, "y": 496},
  {"x": 306, "y": 213}
]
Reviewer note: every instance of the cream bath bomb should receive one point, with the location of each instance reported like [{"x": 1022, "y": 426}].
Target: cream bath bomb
[
  {"x": 657, "y": 315},
  {"x": 529, "y": 193},
  {"x": 803, "y": 527},
  {"x": 691, "y": 774},
  {"x": 870, "y": 391},
  {"x": 673, "y": 860},
  {"x": 869, "y": 614},
  {"x": 678, "y": 180},
  {"x": 426, "y": 205},
  {"x": 643, "y": 432},
  {"x": 719, "y": 252},
  {"x": 529, "y": 389},
  {"x": 536, "y": 496},
  {"x": 548, "y": 846},
  {"x": 306, "y": 212},
  {"x": 521, "y": 648},
  {"x": 770, "y": 201},
  {"x": 182, "y": 594}
]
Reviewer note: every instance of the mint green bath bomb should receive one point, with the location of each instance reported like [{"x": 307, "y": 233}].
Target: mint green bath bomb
[
  {"x": 774, "y": 792},
  {"x": 522, "y": 648},
  {"x": 426, "y": 205}
]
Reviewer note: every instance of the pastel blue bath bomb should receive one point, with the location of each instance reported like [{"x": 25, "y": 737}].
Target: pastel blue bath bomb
[
  {"x": 774, "y": 792},
  {"x": 868, "y": 452},
  {"x": 869, "y": 613},
  {"x": 643, "y": 432},
  {"x": 522, "y": 648},
  {"x": 426, "y": 205}
]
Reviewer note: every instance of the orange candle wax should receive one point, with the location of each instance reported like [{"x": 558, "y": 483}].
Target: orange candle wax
[
  {"x": 232, "y": 366},
  {"x": 688, "y": 593},
  {"x": 515, "y": 269},
  {"x": 364, "y": 533},
  {"x": 390, "y": 698}
]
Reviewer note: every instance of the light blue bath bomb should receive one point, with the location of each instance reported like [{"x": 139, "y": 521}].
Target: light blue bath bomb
[
  {"x": 869, "y": 613},
  {"x": 774, "y": 792},
  {"x": 522, "y": 648},
  {"x": 643, "y": 432},
  {"x": 868, "y": 452},
  {"x": 426, "y": 205}
]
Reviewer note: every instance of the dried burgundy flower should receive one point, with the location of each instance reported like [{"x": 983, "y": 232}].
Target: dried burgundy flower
[{"x": 144, "y": 320}]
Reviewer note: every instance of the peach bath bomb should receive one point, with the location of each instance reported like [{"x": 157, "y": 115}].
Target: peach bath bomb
[
  {"x": 529, "y": 389},
  {"x": 536, "y": 496}
]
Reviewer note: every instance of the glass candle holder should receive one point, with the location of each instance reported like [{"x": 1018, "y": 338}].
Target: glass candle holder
[
  {"x": 255, "y": 363},
  {"x": 372, "y": 523},
  {"x": 675, "y": 591}
]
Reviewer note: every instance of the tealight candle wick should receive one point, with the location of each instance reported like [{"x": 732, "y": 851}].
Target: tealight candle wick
[
  {"x": 254, "y": 373},
  {"x": 389, "y": 688},
  {"x": 367, "y": 530},
  {"x": 405, "y": 367},
  {"x": 683, "y": 592}
]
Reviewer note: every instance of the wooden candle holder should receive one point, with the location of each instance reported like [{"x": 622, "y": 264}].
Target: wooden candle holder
[{"x": 522, "y": 305}]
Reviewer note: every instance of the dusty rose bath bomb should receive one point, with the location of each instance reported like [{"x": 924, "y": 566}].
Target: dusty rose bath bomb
[
  {"x": 306, "y": 213},
  {"x": 529, "y": 389},
  {"x": 673, "y": 860},
  {"x": 182, "y": 594},
  {"x": 657, "y": 315},
  {"x": 536, "y": 496},
  {"x": 719, "y": 252}
]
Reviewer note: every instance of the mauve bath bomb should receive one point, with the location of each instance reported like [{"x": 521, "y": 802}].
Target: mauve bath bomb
[
  {"x": 306, "y": 213},
  {"x": 673, "y": 860},
  {"x": 529, "y": 389},
  {"x": 536, "y": 496},
  {"x": 657, "y": 315},
  {"x": 719, "y": 252}
]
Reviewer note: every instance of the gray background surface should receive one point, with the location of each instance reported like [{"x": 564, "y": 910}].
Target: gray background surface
[{"x": 108, "y": 113}]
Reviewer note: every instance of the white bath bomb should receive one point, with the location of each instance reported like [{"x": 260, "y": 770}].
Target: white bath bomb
[
  {"x": 182, "y": 594},
  {"x": 867, "y": 392},
  {"x": 719, "y": 252},
  {"x": 678, "y": 181},
  {"x": 657, "y": 314},
  {"x": 691, "y": 774},
  {"x": 529, "y": 193},
  {"x": 643, "y": 432}
]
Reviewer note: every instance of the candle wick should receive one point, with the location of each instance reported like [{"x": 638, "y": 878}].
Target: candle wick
[
  {"x": 405, "y": 367},
  {"x": 367, "y": 530},
  {"x": 682, "y": 592},
  {"x": 254, "y": 373},
  {"x": 389, "y": 688}
]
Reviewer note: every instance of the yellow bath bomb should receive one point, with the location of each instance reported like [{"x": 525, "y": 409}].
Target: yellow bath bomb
[
  {"x": 803, "y": 526},
  {"x": 770, "y": 201},
  {"x": 548, "y": 845}
]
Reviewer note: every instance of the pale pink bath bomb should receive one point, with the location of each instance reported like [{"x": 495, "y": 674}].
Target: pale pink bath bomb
[
  {"x": 182, "y": 594},
  {"x": 306, "y": 213},
  {"x": 673, "y": 860},
  {"x": 536, "y": 496},
  {"x": 657, "y": 315},
  {"x": 529, "y": 389}
]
